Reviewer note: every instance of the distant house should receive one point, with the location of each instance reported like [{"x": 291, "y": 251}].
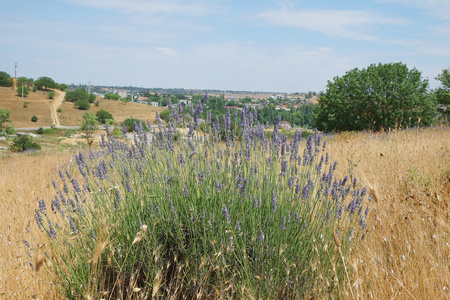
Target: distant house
[
  {"x": 185, "y": 102},
  {"x": 285, "y": 125},
  {"x": 154, "y": 104}
]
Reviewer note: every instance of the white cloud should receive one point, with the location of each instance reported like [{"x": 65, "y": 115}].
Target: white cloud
[
  {"x": 167, "y": 51},
  {"x": 341, "y": 23},
  {"x": 148, "y": 7}
]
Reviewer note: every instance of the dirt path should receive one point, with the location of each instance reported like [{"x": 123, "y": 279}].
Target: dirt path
[{"x": 55, "y": 105}]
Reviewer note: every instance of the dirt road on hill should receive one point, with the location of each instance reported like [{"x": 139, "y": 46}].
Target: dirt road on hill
[{"x": 54, "y": 107}]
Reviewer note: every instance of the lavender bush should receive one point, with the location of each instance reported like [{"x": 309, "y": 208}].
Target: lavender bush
[{"x": 206, "y": 216}]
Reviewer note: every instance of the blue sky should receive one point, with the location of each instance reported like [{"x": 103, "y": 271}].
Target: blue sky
[{"x": 279, "y": 46}]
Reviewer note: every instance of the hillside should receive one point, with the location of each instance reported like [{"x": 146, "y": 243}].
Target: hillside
[{"x": 39, "y": 105}]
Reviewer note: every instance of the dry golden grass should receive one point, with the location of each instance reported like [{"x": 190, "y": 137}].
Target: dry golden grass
[
  {"x": 24, "y": 179},
  {"x": 38, "y": 105},
  {"x": 404, "y": 256}
]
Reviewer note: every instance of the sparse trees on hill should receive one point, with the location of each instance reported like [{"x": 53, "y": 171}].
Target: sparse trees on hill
[{"x": 379, "y": 97}]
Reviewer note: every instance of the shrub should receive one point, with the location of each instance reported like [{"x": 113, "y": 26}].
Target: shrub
[
  {"x": 9, "y": 129},
  {"x": 34, "y": 119},
  {"x": 82, "y": 104},
  {"x": 166, "y": 115},
  {"x": 131, "y": 123},
  {"x": 40, "y": 131},
  {"x": 23, "y": 90},
  {"x": 51, "y": 95},
  {"x": 103, "y": 115},
  {"x": 249, "y": 219},
  {"x": 23, "y": 143},
  {"x": 25, "y": 104},
  {"x": 59, "y": 110},
  {"x": 34, "y": 89}
]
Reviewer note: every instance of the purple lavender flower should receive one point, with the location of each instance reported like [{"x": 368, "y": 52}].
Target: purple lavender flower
[
  {"x": 92, "y": 235},
  {"x": 273, "y": 202},
  {"x": 185, "y": 191},
  {"x": 283, "y": 224},
  {"x": 261, "y": 235},
  {"x": 307, "y": 189},
  {"x": 42, "y": 206},
  {"x": 61, "y": 174},
  {"x": 238, "y": 228},
  {"x": 38, "y": 218},
  {"x": 54, "y": 184},
  {"x": 230, "y": 243},
  {"x": 51, "y": 230},
  {"x": 172, "y": 208},
  {"x": 72, "y": 225},
  {"x": 226, "y": 214},
  {"x": 76, "y": 187}
]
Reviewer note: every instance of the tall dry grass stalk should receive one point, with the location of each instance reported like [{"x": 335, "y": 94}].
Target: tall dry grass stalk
[
  {"x": 406, "y": 254},
  {"x": 24, "y": 179}
]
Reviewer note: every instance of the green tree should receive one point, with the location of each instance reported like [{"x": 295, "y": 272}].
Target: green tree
[
  {"x": 45, "y": 83},
  {"x": 51, "y": 95},
  {"x": 89, "y": 125},
  {"x": 4, "y": 117},
  {"x": 23, "y": 90},
  {"x": 62, "y": 86},
  {"x": 112, "y": 96},
  {"x": 34, "y": 119},
  {"x": 103, "y": 115},
  {"x": 443, "y": 92},
  {"x": 77, "y": 95},
  {"x": 379, "y": 97},
  {"x": 25, "y": 81},
  {"x": 5, "y": 79},
  {"x": 82, "y": 104}
]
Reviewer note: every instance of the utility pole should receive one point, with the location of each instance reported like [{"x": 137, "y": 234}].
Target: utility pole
[{"x": 22, "y": 91}]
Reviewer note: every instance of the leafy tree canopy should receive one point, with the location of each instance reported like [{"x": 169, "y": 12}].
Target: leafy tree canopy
[
  {"x": 443, "y": 92},
  {"x": 5, "y": 79},
  {"x": 25, "y": 81},
  {"x": 45, "y": 83},
  {"x": 379, "y": 97}
]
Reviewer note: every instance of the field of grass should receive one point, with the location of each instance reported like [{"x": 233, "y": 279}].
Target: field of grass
[{"x": 405, "y": 254}]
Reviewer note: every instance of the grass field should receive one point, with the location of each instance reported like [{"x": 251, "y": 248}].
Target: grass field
[{"x": 405, "y": 254}]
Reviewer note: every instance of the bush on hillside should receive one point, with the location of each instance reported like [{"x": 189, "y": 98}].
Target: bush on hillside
[
  {"x": 34, "y": 119},
  {"x": 103, "y": 115},
  {"x": 23, "y": 143},
  {"x": 82, "y": 104}
]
